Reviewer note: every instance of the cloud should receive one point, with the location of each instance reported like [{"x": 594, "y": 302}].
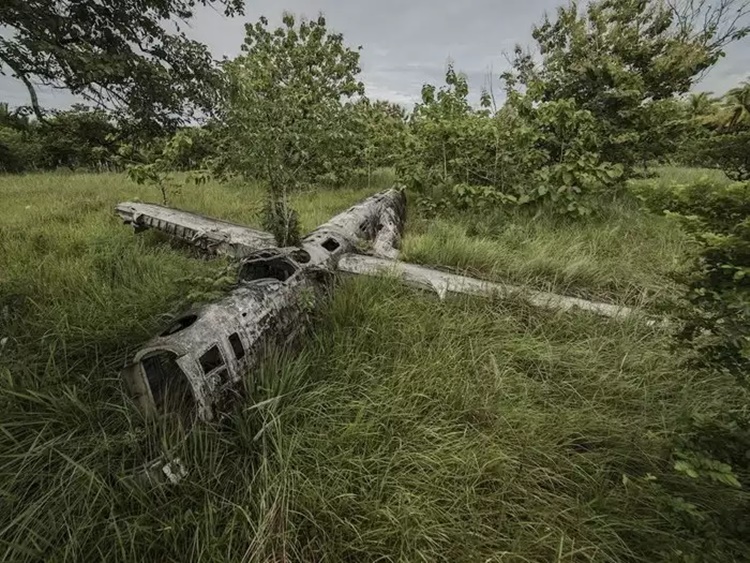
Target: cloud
[{"x": 406, "y": 43}]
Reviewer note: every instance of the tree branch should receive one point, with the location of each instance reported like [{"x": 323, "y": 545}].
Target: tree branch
[{"x": 29, "y": 86}]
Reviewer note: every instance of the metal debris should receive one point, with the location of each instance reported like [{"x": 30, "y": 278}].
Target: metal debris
[{"x": 161, "y": 471}]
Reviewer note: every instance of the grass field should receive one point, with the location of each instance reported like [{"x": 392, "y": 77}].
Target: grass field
[{"x": 406, "y": 429}]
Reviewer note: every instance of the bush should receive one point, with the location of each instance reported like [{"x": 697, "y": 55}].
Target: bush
[
  {"x": 524, "y": 154},
  {"x": 78, "y": 139},
  {"x": 728, "y": 151},
  {"x": 18, "y": 152},
  {"x": 716, "y": 305}
]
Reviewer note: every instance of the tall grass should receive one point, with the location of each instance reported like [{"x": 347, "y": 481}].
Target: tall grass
[
  {"x": 622, "y": 255},
  {"x": 406, "y": 429},
  {"x": 670, "y": 175}
]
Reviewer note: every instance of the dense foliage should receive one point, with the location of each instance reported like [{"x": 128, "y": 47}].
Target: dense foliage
[
  {"x": 722, "y": 133},
  {"x": 601, "y": 102},
  {"x": 523, "y": 154},
  {"x": 83, "y": 138},
  {"x": 283, "y": 121},
  {"x": 623, "y": 61},
  {"x": 291, "y": 112},
  {"x": 80, "y": 138},
  {"x": 130, "y": 56},
  {"x": 716, "y": 306}
]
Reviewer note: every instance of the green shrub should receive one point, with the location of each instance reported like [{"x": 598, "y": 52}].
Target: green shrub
[
  {"x": 716, "y": 305},
  {"x": 729, "y": 152},
  {"x": 525, "y": 154},
  {"x": 18, "y": 153}
]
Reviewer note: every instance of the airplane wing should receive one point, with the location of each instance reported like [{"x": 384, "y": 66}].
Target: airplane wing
[
  {"x": 212, "y": 235},
  {"x": 445, "y": 282}
]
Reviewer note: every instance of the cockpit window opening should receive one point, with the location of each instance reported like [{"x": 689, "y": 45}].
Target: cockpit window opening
[
  {"x": 277, "y": 268},
  {"x": 180, "y": 324},
  {"x": 237, "y": 347},
  {"x": 211, "y": 359},
  {"x": 301, "y": 256},
  {"x": 169, "y": 386},
  {"x": 331, "y": 244}
]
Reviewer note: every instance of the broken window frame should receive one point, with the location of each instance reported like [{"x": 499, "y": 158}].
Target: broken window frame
[
  {"x": 237, "y": 346},
  {"x": 173, "y": 378},
  {"x": 214, "y": 368}
]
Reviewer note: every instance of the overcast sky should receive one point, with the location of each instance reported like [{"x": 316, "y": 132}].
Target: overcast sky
[{"x": 406, "y": 43}]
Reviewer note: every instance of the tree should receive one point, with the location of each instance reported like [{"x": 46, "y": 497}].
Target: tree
[
  {"x": 725, "y": 135},
  {"x": 19, "y": 143},
  {"x": 527, "y": 153},
  {"x": 735, "y": 111},
  {"x": 440, "y": 124},
  {"x": 19, "y": 151},
  {"x": 381, "y": 135},
  {"x": 700, "y": 104},
  {"x": 618, "y": 58},
  {"x": 284, "y": 122},
  {"x": 113, "y": 53},
  {"x": 79, "y": 138}
]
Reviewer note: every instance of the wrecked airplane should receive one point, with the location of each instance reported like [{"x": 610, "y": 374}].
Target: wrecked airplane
[{"x": 195, "y": 367}]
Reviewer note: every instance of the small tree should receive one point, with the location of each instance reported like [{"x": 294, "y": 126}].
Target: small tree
[
  {"x": 451, "y": 143},
  {"x": 284, "y": 121},
  {"x": 728, "y": 151},
  {"x": 161, "y": 161},
  {"x": 619, "y": 57},
  {"x": 382, "y": 130},
  {"x": 725, "y": 134}
]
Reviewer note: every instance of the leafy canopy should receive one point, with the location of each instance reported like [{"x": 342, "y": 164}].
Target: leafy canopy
[
  {"x": 284, "y": 121},
  {"x": 116, "y": 53},
  {"x": 621, "y": 59}
]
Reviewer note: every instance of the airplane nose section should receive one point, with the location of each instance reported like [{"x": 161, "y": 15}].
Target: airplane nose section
[{"x": 159, "y": 386}]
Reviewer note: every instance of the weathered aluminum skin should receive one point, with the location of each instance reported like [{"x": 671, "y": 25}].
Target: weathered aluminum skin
[
  {"x": 212, "y": 235},
  {"x": 257, "y": 312},
  {"x": 445, "y": 282},
  {"x": 276, "y": 288}
]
